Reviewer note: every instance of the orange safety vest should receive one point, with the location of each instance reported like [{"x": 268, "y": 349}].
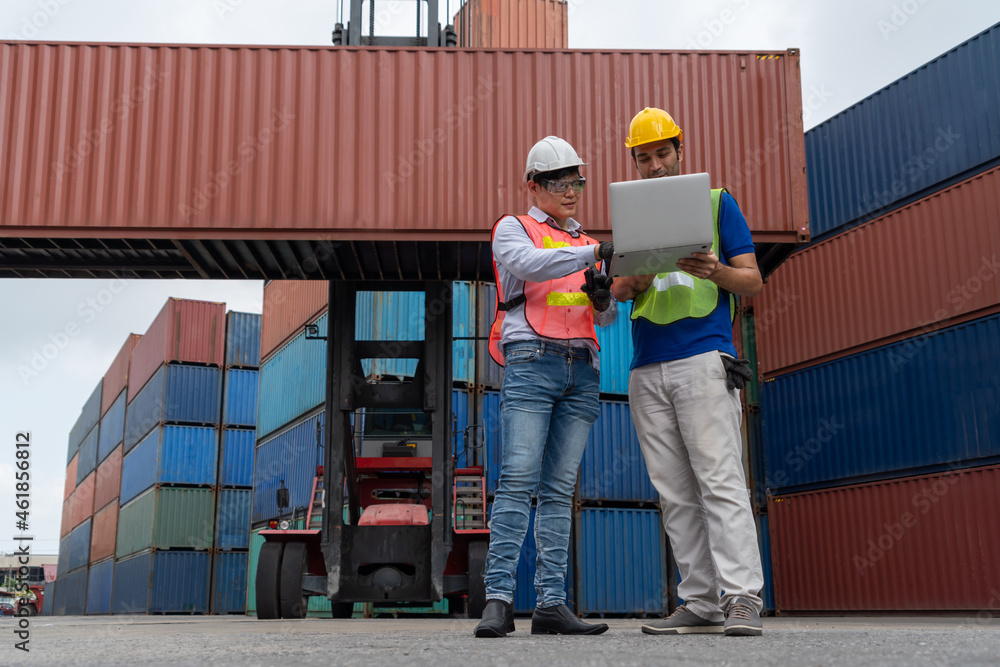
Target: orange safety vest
[{"x": 555, "y": 309}]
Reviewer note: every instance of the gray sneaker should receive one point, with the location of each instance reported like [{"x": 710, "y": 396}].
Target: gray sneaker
[
  {"x": 742, "y": 619},
  {"x": 683, "y": 622}
]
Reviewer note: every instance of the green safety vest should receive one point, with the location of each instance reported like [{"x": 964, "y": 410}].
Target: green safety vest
[{"x": 679, "y": 295}]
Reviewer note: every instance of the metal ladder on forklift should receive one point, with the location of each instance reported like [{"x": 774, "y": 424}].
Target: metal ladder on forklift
[
  {"x": 317, "y": 501},
  {"x": 469, "y": 503}
]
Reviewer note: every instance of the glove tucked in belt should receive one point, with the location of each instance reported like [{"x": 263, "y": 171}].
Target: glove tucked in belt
[
  {"x": 597, "y": 288},
  {"x": 737, "y": 372}
]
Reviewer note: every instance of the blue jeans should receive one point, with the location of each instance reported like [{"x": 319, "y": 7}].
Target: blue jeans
[{"x": 548, "y": 402}]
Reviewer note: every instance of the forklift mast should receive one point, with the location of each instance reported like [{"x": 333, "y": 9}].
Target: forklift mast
[{"x": 352, "y": 34}]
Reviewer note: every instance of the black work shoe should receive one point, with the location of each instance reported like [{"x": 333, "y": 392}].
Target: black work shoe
[
  {"x": 559, "y": 620},
  {"x": 498, "y": 620}
]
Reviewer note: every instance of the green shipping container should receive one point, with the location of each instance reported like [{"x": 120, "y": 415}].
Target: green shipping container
[{"x": 164, "y": 518}]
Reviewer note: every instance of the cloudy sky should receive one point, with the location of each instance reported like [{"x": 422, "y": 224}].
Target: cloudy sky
[{"x": 849, "y": 49}]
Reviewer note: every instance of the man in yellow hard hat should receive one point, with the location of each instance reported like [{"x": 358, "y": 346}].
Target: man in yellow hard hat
[{"x": 684, "y": 395}]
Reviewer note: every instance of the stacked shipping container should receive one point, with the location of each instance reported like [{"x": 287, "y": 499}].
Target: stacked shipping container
[{"x": 877, "y": 347}]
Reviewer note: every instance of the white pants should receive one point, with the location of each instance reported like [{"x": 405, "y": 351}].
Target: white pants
[{"x": 689, "y": 429}]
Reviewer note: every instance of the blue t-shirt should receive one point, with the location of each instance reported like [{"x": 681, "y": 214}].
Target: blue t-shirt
[{"x": 654, "y": 343}]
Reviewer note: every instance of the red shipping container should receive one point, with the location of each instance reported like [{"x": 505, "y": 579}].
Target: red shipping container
[
  {"x": 521, "y": 24},
  {"x": 103, "y": 532},
  {"x": 71, "y": 476},
  {"x": 67, "y": 517},
  {"x": 927, "y": 543},
  {"x": 931, "y": 264},
  {"x": 116, "y": 378},
  {"x": 184, "y": 331},
  {"x": 82, "y": 507},
  {"x": 109, "y": 478},
  {"x": 288, "y": 306},
  {"x": 298, "y": 169}
]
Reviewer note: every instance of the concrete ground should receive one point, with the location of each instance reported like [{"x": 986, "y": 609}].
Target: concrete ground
[{"x": 447, "y": 642}]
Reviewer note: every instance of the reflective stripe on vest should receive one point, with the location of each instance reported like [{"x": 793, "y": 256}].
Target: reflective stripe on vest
[
  {"x": 678, "y": 295},
  {"x": 555, "y": 309}
]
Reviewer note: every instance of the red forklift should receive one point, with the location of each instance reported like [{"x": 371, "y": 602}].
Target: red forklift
[{"x": 392, "y": 520}]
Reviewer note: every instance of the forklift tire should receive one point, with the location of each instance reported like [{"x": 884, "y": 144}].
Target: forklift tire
[
  {"x": 268, "y": 579},
  {"x": 341, "y": 609},
  {"x": 477, "y": 571},
  {"x": 294, "y": 564}
]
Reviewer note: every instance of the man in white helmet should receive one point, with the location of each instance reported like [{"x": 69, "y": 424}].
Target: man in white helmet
[{"x": 548, "y": 300}]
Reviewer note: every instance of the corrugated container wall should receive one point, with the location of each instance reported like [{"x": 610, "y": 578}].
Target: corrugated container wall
[
  {"x": 82, "y": 501},
  {"x": 87, "y": 456},
  {"x": 85, "y": 423},
  {"x": 62, "y": 564},
  {"x": 176, "y": 394},
  {"x": 613, "y": 467},
  {"x": 70, "y": 483},
  {"x": 166, "y": 518},
  {"x": 242, "y": 339},
  {"x": 290, "y": 456},
  {"x": 741, "y": 113},
  {"x": 99, "y": 587},
  {"x": 489, "y": 416},
  {"x": 116, "y": 377},
  {"x": 523, "y": 24},
  {"x": 232, "y": 520},
  {"x": 79, "y": 546},
  {"x": 104, "y": 533},
  {"x": 621, "y": 562},
  {"x": 72, "y": 594},
  {"x": 935, "y": 124},
  {"x": 292, "y": 381},
  {"x": 162, "y": 582},
  {"x": 288, "y": 305},
  {"x": 901, "y": 409},
  {"x": 616, "y": 351},
  {"x": 112, "y": 428},
  {"x": 183, "y": 331},
  {"x": 850, "y": 292},
  {"x": 109, "y": 479},
  {"x": 926, "y": 543},
  {"x": 48, "y": 598},
  {"x": 171, "y": 455},
  {"x": 229, "y": 590},
  {"x": 236, "y": 457},
  {"x": 239, "y": 398}
]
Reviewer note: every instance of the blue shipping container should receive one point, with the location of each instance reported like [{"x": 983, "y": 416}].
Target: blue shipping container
[
  {"x": 389, "y": 316},
  {"x": 242, "y": 339},
  {"x": 229, "y": 595},
  {"x": 176, "y": 393},
  {"x": 616, "y": 351},
  {"x": 236, "y": 459},
  {"x": 112, "y": 428},
  {"x": 489, "y": 417},
  {"x": 934, "y": 126},
  {"x": 48, "y": 598},
  {"x": 915, "y": 406},
  {"x": 79, "y": 546},
  {"x": 292, "y": 381},
  {"x": 764, "y": 539},
  {"x": 239, "y": 402},
  {"x": 99, "y": 587},
  {"x": 290, "y": 456},
  {"x": 162, "y": 582},
  {"x": 232, "y": 520},
  {"x": 85, "y": 423},
  {"x": 465, "y": 439},
  {"x": 71, "y": 597},
  {"x": 613, "y": 466},
  {"x": 170, "y": 455},
  {"x": 62, "y": 566},
  {"x": 621, "y": 556},
  {"x": 87, "y": 461}
]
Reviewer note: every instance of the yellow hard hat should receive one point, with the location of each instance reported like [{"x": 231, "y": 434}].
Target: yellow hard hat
[{"x": 651, "y": 125}]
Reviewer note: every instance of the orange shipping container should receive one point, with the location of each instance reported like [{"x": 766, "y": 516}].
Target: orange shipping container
[
  {"x": 932, "y": 264},
  {"x": 520, "y": 24},
  {"x": 116, "y": 378},
  {"x": 109, "y": 478},
  {"x": 67, "y": 517},
  {"x": 71, "y": 476},
  {"x": 82, "y": 507},
  {"x": 103, "y": 532},
  {"x": 288, "y": 305}
]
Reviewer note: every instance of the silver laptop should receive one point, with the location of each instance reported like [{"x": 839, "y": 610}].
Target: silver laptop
[{"x": 657, "y": 221}]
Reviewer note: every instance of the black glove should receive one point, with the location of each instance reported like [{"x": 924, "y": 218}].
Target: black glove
[
  {"x": 597, "y": 288},
  {"x": 738, "y": 372},
  {"x": 606, "y": 250}
]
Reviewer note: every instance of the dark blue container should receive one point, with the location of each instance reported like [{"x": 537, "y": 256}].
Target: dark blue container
[
  {"x": 71, "y": 598},
  {"x": 242, "y": 339},
  {"x": 112, "y": 428},
  {"x": 79, "y": 546},
  {"x": 62, "y": 566},
  {"x": 48, "y": 599},
  {"x": 292, "y": 456},
  {"x": 525, "y": 596},
  {"x": 466, "y": 440},
  {"x": 162, "y": 582},
  {"x": 236, "y": 459},
  {"x": 489, "y": 417},
  {"x": 933, "y": 127},
  {"x": 621, "y": 556},
  {"x": 170, "y": 455},
  {"x": 232, "y": 519},
  {"x": 99, "y": 587},
  {"x": 176, "y": 394},
  {"x": 85, "y": 423},
  {"x": 88, "y": 455},
  {"x": 229, "y": 591},
  {"x": 239, "y": 402},
  {"x": 767, "y": 593},
  {"x": 613, "y": 466},
  {"x": 924, "y": 404},
  {"x": 292, "y": 382}
]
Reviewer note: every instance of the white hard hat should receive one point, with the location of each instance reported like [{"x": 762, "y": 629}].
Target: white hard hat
[{"x": 550, "y": 154}]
